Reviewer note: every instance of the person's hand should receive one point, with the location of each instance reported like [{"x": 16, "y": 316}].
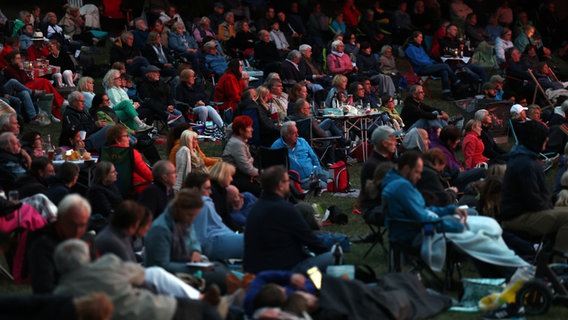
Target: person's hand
[
  {"x": 168, "y": 65},
  {"x": 454, "y": 189},
  {"x": 298, "y": 281},
  {"x": 444, "y": 116},
  {"x": 195, "y": 257},
  {"x": 136, "y": 105},
  {"x": 462, "y": 213}
]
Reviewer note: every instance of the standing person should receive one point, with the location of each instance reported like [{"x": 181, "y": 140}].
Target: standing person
[
  {"x": 237, "y": 153},
  {"x": 73, "y": 215},
  {"x": 157, "y": 195},
  {"x": 230, "y": 86},
  {"x": 277, "y": 233}
]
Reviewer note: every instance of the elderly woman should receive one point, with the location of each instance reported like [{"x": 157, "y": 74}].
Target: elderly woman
[
  {"x": 387, "y": 108},
  {"x": 172, "y": 241},
  {"x": 117, "y": 136},
  {"x": 187, "y": 158},
  {"x": 472, "y": 145},
  {"x": 9, "y": 123},
  {"x": 338, "y": 93},
  {"x": 230, "y": 86},
  {"x": 14, "y": 161},
  {"x": 63, "y": 60},
  {"x": 103, "y": 194},
  {"x": 184, "y": 44},
  {"x": 237, "y": 153},
  {"x": 124, "y": 107},
  {"x": 338, "y": 62},
  {"x": 188, "y": 91},
  {"x": 87, "y": 87},
  {"x": 158, "y": 55}
]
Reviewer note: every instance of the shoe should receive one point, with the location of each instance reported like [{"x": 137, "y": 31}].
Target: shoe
[
  {"x": 173, "y": 118},
  {"x": 144, "y": 127},
  {"x": 54, "y": 119},
  {"x": 509, "y": 311}
]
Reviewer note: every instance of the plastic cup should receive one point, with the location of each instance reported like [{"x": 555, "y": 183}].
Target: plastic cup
[{"x": 83, "y": 134}]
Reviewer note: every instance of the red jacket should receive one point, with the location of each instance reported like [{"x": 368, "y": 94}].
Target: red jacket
[
  {"x": 339, "y": 65},
  {"x": 35, "y": 53},
  {"x": 351, "y": 15},
  {"x": 19, "y": 74},
  {"x": 472, "y": 147},
  {"x": 142, "y": 175},
  {"x": 228, "y": 90}
]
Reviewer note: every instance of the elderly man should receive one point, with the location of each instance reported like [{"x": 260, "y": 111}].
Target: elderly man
[
  {"x": 310, "y": 71},
  {"x": 157, "y": 100},
  {"x": 117, "y": 279},
  {"x": 14, "y": 161},
  {"x": 75, "y": 118},
  {"x": 123, "y": 50},
  {"x": 279, "y": 98},
  {"x": 384, "y": 139},
  {"x": 157, "y": 195},
  {"x": 277, "y": 234},
  {"x": 415, "y": 113},
  {"x": 72, "y": 219},
  {"x": 266, "y": 53},
  {"x": 302, "y": 157}
]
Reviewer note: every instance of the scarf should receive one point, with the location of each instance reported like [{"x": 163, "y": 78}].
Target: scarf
[
  {"x": 339, "y": 54},
  {"x": 179, "y": 250}
]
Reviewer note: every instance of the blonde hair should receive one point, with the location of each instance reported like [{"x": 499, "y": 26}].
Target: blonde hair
[
  {"x": 221, "y": 170},
  {"x": 186, "y": 138},
  {"x": 337, "y": 79},
  {"x": 82, "y": 83}
]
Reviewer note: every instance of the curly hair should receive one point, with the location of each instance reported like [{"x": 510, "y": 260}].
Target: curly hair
[{"x": 241, "y": 123}]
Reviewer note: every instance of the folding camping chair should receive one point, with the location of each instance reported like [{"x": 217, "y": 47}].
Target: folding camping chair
[{"x": 538, "y": 88}]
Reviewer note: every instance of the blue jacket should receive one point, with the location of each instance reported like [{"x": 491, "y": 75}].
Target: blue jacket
[
  {"x": 217, "y": 63},
  {"x": 524, "y": 185},
  {"x": 159, "y": 244},
  {"x": 208, "y": 223},
  {"x": 181, "y": 42},
  {"x": 404, "y": 202},
  {"x": 302, "y": 158},
  {"x": 418, "y": 57}
]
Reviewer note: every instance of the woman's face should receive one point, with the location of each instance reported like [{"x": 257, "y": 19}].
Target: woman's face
[
  {"x": 37, "y": 143},
  {"x": 247, "y": 132},
  {"x": 76, "y": 142},
  {"x": 419, "y": 38},
  {"x": 193, "y": 144},
  {"x": 360, "y": 92},
  {"x": 342, "y": 84},
  {"x": 90, "y": 86},
  {"x": 246, "y": 27},
  {"x": 476, "y": 128},
  {"x": 111, "y": 177},
  {"x": 122, "y": 140},
  {"x": 303, "y": 92},
  {"x": 340, "y": 47},
  {"x": 143, "y": 229},
  {"x": 227, "y": 181},
  {"x": 106, "y": 101}
]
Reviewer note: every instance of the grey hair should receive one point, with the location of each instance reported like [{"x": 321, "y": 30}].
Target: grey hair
[
  {"x": 294, "y": 54},
  {"x": 413, "y": 89},
  {"x": 286, "y": 127},
  {"x": 304, "y": 47},
  {"x": 125, "y": 35},
  {"x": 72, "y": 201},
  {"x": 5, "y": 139},
  {"x": 336, "y": 43},
  {"x": 74, "y": 96},
  {"x": 108, "y": 79},
  {"x": 160, "y": 168},
  {"x": 385, "y": 48},
  {"x": 71, "y": 255},
  {"x": 480, "y": 114},
  {"x": 5, "y": 119},
  {"x": 299, "y": 104}
]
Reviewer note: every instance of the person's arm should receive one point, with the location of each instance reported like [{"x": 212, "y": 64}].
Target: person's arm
[
  {"x": 98, "y": 196},
  {"x": 300, "y": 229},
  {"x": 158, "y": 245},
  {"x": 140, "y": 167},
  {"x": 468, "y": 148},
  {"x": 183, "y": 165},
  {"x": 244, "y": 162}
]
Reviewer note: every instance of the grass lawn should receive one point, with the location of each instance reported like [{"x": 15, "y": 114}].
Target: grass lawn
[{"x": 355, "y": 228}]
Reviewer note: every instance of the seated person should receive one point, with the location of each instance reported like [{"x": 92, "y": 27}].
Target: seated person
[
  {"x": 192, "y": 93},
  {"x": 184, "y": 44},
  {"x": 338, "y": 93},
  {"x": 239, "y": 205},
  {"x": 172, "y": 240},
  {"x": 518, "y": 77},
  {"x": 213, "y": 60},
  {"x": 415, "y": 113},
  {"x": 157, "y": 101},
  {"x": 423, "y": 65},
  {"x": 172, "y": 145},
  {"x": 103, "y": 194},
  {"x": 481, "y": 239},
  {"x": 432, "y": 185},
  {"x": 491, "y": 149},
  {"x": 158, "y": 56},
  {"x": 60, "y": 185},
  {"x": 15, "y": 161},
  {"x": 266, "y": 54},
  {"x": 269, "y": 130},
  {"x": 371, "y": 68},
  {"x": 472, "y": 145},
  {"x": 34, "y": 181},
  {"x": 61, "y": 59},
  {"x": 547, "y": 81},
  {"x": 237, "y": 153},
  {"x": 230, "y": 86},
  {"x": 388, "y": 108},
  {"x": 123, "y": 50},
  {"x": 158, "y": 194},
  {"x": 116, "y": 136},
  {"x": 302, "y": 157},
  {"x": 450, "y": 44},
  {"x": 338, "y": 62},
  {"x": 276, "y": 234},
  {"x": 416, "y": 139},
  {"x": 217, "y": 240},
  {"x": 187, "y": 158}
]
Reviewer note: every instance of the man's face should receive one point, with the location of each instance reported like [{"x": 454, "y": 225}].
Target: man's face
[
  {"x": 305, "y": 110},
  {"x": 14, "y": 145},
  {"x": 452, "y": 31},
  {"x": 419, "y": 94},
  {"x": 73, "y": 224},
  {"x": 389, "y": 145},
  {"x": 170, "y": 176},
  {"x": 265, "y": 37},
  {"x": 235, "y": 198},
  {"x": 13, "y": 126},
  {"x": 367, "y": 86},
  {"x": 292, "y": 136},
  {"x": 284, "y": 185},
  {"x": 414, "y": 174},
  {"x": 491, "y": 93},
  {"x": 276, "y": 89},
  {"x": 48, "y": 171},
  {"x": 153, "y": 76},
  {"x": 79, "y": 103}
]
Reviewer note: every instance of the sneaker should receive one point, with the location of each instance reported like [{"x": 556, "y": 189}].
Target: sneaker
[
  {"x": 173, "y": 118},
  {"x": 144, "y": 127},
  {"x": 54, "y": 119},
  {"x": 509, "y": 311}
]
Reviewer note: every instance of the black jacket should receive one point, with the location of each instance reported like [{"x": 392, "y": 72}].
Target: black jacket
[
  {"x": 414, "y": 111},
  {"x": 103, "y": 199}
]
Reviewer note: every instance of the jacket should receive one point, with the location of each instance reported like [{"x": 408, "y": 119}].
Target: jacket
[
  {"x": 473, "y": 147},
  {"x": 413, "y": 111},
  {"x": 418, "y": 57},
  {"x": 228, "y": 90},
  {"x": 104, "y": 199},
  {"x": 524, "y": 185},
  {"x": 181, "y": 42},
  {"x": 404, "y": 202},
  {"x": 237, "y": 153},
  {"x": 302, "y": 157},
  {"x": 339, "y": 64},
  {"x": 74, "y": 120}
]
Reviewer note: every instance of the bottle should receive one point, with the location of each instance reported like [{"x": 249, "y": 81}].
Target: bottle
[
  {"x": 50, "y": 148},
  {"x": 335, "y": 101},
  {"x": 522, "y": 275},
  {"x": 337, "y": 254}
]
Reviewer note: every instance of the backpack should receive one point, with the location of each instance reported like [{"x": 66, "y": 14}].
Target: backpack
[{"x": 338, "y": 180}]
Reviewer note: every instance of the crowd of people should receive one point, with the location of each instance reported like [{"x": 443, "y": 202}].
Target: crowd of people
[{"x": 126, "y": 227}]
